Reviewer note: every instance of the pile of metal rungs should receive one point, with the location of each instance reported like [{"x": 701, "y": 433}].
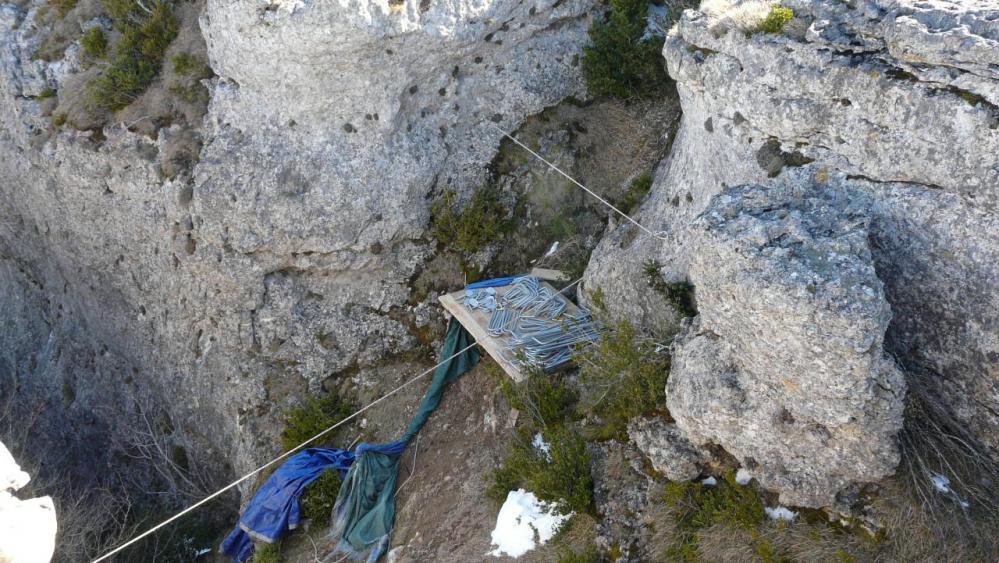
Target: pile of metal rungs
[{"x": 532, "y": 315}]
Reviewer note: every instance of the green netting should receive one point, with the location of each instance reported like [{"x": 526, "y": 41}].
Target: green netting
[{"x": 365, "y": 508}]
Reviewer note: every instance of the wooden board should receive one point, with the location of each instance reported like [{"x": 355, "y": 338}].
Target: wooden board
[{"x": 476, "y": 323}]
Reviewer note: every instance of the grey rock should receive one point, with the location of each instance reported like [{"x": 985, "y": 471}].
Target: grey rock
[
  {"x": 877, "y": 98},
  {"x": 667, "y": 447},
  {"x": 282, "y": 260},
  {"x": 633, "y": 520},
  {"x": 785, "y": 366}
]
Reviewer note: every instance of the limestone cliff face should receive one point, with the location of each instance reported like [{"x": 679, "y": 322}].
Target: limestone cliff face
[
  {"x": 890, "y": 102},
  {"x": 283, "y": 257}
]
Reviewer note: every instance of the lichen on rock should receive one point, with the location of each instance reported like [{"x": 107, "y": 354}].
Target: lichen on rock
[{"x": 785, "y": 367}]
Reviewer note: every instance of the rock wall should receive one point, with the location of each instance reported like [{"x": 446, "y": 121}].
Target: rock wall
[
  {"x": 282, "y": 258},
  {"x": 892, "y": 102}
]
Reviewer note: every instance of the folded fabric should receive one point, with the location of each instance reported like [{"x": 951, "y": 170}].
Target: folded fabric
[
  {"x": 275, "y": 508},
  {"x": 364, "y": 512}
]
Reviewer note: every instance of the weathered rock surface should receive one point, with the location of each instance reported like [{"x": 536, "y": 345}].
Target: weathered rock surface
[
  {"x": 890, "y": 101},
  {"x": 280, "y": 262},
  {"x": 27, "y": 527},
  {"x": 784, "y": 367},
  {"x": 667, "y": 447}
]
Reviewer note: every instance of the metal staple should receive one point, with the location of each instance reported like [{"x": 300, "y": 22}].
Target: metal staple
[{"x": 533, "y": 316}]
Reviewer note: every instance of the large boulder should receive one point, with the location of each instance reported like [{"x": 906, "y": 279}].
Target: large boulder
[
  {"x": 784, "y": 366},
  {"x": 891, "y": 100}
]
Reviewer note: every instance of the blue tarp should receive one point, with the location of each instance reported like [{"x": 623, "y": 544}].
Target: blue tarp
[
  {"x": 365, "y": 507},
  {"x": 494, "y": 282}
]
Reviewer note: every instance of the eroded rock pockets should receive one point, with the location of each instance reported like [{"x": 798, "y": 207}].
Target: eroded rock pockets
[{"x": 280, "y": 260}]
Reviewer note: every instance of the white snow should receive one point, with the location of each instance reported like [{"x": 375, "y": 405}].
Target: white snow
[
  {"x": 709, "y": 481},
  {"x": 551, "y": 250},
  {"x": 204, "y": 551},
  {"x": 522, "y": 520},
  {"x": 743, "y": 477},
  {"x": 541, "y": 445},
  {"x": 941, "y": 482},
  {"x": 780, "y": 513}
]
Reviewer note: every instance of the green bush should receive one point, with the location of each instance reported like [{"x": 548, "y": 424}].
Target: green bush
[
  {"x": 94, "y": 43},
  {"x": 639, "y": 187},
  {"x": 46, "y": 94},
  {"x": 320, "y": 496},
  {"x": 267, "y": 553},
  {"x": 561, "y": 476},
  {"x": 138, "y": 55},
  {"x": 625, "y": 374},
  {"x": 679, "y": 294},
  {"x": 588, "y": 555},
  {"x": 696, "y": 507},
  {"x": 619, "y": 63},
  {"x": 776, "y": 20},
  {"x": 317, "y": 414},
  {"x": 59, "y": 119},
  {"x": 480, "y": 222},
  {"x": 546, "y": 398},
  {"x": 63, "y": 7},
  {"x": 187, "y": 64}
]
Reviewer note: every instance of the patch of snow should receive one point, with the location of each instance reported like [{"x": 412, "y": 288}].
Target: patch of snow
[
  {"x": 940, "y": 482},
  {"x": 551, "y": 250},
  {"x": 204, "y": 551},
  {"x": 780, "y": 513},
  {"x": 743, "y": 477},
  {"x": 541, "y": 445},
  {"x": 523, "y": 519},
  {"x": 709, "y": 481}
]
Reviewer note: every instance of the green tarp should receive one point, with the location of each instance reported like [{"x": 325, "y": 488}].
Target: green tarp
[{"x": 365, "y": 508}]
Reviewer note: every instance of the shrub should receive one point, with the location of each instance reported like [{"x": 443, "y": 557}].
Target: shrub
[
  {"x": 59, "y": 119},
  {"x": 94, "y": 43},
  {"x": 626, "y": 374},
  {"x": 620, "y": 63},
  {"x": 482, "y": 221},
  {"x": 696, "y": 507},
  {"x": 317, "y": 414},
  {"x": 775, "y": 20},
  {"x": 545, "y": 398},
  {"x": 302, "y": 423},
  {"x": 138, "y": 55},
  {"x": 561, "y": 476},
  {"x": 320, "y": 496},
  {"x": 46, "y": 94},
  {"x": 679, "y": 294},
  {"x": 187, "y": 64},
  {"x": 588, "y": 555},
  {"x": 63, "y": 7},
  {"x": 267, "y": 553},
  {"x": 639, "y": 187}
]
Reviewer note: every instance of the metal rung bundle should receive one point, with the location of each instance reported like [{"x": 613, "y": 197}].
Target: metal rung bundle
[
  {"x": 533, "y": 316},
  {"x": 481, "y": 299}
]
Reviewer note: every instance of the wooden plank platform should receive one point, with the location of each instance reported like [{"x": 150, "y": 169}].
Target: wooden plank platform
[{"x": 476, "y": 323}]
